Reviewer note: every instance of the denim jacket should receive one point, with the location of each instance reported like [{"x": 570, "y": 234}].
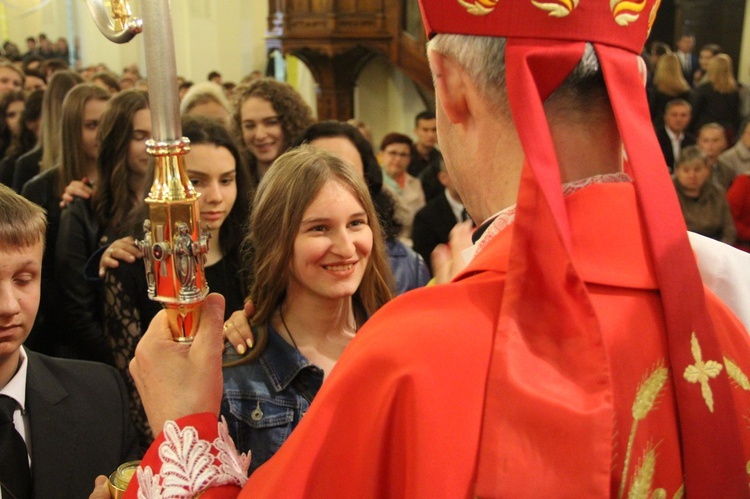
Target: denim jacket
[
  {"x": 408, "y": 267},
  {"x": 264, "y": 400}
]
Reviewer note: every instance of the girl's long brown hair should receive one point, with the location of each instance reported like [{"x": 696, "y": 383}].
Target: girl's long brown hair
[
  {"x": 113, "y": 198},
  {"x": 668, "y": 76},
  {"x": 287, "y": 189},
  {"x": 71, "y": 136}
]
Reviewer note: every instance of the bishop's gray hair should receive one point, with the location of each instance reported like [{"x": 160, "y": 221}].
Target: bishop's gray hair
[{"x": 483, "y": 58}]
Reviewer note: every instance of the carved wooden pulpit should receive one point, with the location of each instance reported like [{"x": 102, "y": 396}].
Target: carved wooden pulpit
[{"x": 337, "y": 38}]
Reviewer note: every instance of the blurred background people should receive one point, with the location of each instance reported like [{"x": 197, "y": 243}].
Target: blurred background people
[
  {"x": 712, "y": 141},
  {"x": 207, "y": 99},
  {"x": 688, "y": 60},
  {"x": 704, "y": 204},
  {"x": 738, "y": 156},
  {"x": 27, "y": 138},
  {"x": 122, "y": 177},
  {"x": 11, "y": 78},
  {"x": 425, "y": 157},
  {"x": 34, "y": 80},
  {"x": 81, "y": 113},
  {"x": 673, "y": 134},
  {"x": 668, "y": 84},
  {"x": 11, "y": 108},
  {"x": 434, "y": 222},
  {"x": 706, "y": 53},
  {"x": 47, "y": 152},
  {"x": 718, "y": 99},
  {"x": 395, "y": 155}
]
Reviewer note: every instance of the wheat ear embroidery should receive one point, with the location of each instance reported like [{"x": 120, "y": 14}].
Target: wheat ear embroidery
[
  {"x": 645, "y": 400},
  {"x": 644, "y": 475},
  {"x": 734, "y": 372}
]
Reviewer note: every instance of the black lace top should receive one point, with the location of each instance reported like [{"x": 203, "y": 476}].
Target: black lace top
[{"x": 128, "y": 311}]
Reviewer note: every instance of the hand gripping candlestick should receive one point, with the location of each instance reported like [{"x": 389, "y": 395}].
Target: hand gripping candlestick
[{"x": 173, "y": 245}]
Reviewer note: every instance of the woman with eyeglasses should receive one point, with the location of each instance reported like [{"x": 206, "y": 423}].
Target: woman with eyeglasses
[{"x": 395, "y": 156}]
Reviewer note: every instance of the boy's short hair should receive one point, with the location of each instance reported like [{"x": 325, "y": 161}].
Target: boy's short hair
[
  {"x": 711, "y": 126},
  {"x": 678, "y": 102},
  {"x": 424, "y": 115},
  {"x": 22, "y": 223},
  {"x": 691, "y": 154}
]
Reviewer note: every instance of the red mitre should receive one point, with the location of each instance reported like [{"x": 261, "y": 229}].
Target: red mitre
[{"x": 546, "y": 306}]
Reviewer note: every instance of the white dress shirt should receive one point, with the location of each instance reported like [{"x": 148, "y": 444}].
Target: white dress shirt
[
  {"x": 456, "y": 207},
  {"x": 676, "y": 141}
]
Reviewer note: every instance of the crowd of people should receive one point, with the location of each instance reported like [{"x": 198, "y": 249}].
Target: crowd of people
[
  {"x": 74, "y": 143},
  {"x": 701, "y": 114},
  {"x": 313, "y": 232}
]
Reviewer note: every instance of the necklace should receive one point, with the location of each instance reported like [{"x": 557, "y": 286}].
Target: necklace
[{"x": 281, "y": 314}]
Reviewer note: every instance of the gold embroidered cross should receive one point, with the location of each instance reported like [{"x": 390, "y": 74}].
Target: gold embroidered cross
[{"x": 700, "y": 372}]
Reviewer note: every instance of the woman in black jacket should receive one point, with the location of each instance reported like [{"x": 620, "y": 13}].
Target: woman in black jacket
[
  {"x": 81, "y": 112},
  {"x": 123, "y": 174},
  {"x": 718, "y": 99}
]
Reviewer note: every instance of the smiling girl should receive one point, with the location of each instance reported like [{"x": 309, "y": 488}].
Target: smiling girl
[
  {"x": 269, "y": 115},
  {"x": 320, "y": 270}
]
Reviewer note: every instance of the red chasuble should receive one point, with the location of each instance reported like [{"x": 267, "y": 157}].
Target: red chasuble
[{"x": 402, "y": 412}]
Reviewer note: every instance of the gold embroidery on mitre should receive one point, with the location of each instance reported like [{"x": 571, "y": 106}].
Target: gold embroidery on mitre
[
  {"x": 478, "y": 7},
  {"x": 626, "y": 11},
  {"x": 646, "y": 399},
  {"x": 559, "y": 8},
  {"x": 680, "y": 492},
  {"x": 736, "y": 374},
  {"x": 701, "y": 372}
]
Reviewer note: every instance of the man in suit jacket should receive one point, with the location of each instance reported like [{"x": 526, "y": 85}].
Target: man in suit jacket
[
  {"x": 673, "y": 136},
  {"x": 433, "y": 223},
  {"x": 738, "y": 157},
  {"x": 425, "y": 157},
  {"x": 689, "y": 61},
  {"x": 72, "y": 416}
]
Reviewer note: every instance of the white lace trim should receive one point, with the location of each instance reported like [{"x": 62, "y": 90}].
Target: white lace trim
[
  {"x": 506, "y": 217},
  {"x": 189, "y": 464}
]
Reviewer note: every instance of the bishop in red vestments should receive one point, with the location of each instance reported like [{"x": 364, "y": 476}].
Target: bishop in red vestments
[{"x": 577, "y": 355}]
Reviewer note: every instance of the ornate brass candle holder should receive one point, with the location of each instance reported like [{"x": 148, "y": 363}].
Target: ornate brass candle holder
[{"x": 173, "y": 246}]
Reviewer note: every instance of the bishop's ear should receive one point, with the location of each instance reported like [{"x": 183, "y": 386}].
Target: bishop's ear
[{"x": 450, "y": 86}]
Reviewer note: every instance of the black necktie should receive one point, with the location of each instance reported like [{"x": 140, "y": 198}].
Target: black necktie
[{"x": 15, "y": 475}]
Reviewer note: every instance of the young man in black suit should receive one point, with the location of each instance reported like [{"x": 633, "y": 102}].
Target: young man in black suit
[
  {"x": 673, "y": 136},
  {"x": 62, "y": 422},
  {"x": 425, "y": 157},
  {"x": 433, "y": 223}
]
